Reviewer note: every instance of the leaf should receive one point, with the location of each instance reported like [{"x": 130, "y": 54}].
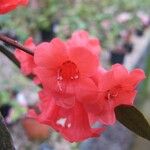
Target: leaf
[{"x": 133, "y": 119}]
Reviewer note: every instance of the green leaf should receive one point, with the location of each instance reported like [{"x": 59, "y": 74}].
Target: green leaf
[{"x": 133, "y": 119}]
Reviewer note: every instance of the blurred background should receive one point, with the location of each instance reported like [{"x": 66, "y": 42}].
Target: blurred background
[{"x": 123, "y": 28}]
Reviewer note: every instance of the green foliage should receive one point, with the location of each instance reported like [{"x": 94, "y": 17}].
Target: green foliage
[
  {"x": 73, "y": 15},
  {"x": 4, "y": 97}
]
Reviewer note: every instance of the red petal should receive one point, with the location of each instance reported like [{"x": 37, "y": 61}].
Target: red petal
[
  {"x": 106, "y": 81},
  {"x": 26, "y": 60},
  {"x": 86, "y": 62},
  {"x": 81, "y": 38},
  {"x": 9, "y": 5},
  {"x": 86, "y": 90},
  {"x": 75, "y": 126},
  {"x": 107, "y": 115},
  {"x": 136, "y": 76},
  {"x": 64, "y": 93},
  {"x": 49, "y": 111},
  {"x": 51, "y": 55},
  {"x": 78, "y": 127},
  {"x": 116, "y": 76},
  {"x": 125, "y": 97},
  {"x": 46, "y": 76},
  {"x": 64, "y": 100},
  {"x": 120, "y": 73}
]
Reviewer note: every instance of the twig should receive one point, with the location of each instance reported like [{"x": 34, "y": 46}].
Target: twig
[
  {"x": 15, "y": 44},
  {"x": 6, "y": 142},
  {"x": 12, "y": 57},
  {"x": 9, "y": 55}
]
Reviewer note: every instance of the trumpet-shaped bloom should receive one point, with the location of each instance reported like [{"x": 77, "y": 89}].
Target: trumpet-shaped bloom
[
  {"x": 73, "y": 124},
  {"x": 9, "y": 5},
  {"x": 66, "y": 71},
  {"x": 26, "y": 60},
  {"x": 116, "y": 87}
]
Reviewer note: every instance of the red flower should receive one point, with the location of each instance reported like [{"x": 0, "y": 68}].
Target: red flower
[
  {"x": 9, "y": 5},
  {"x": 77, "y": 92},
  {"x": 68, "y": 74},
  {"x": 66, "y": 71},
  {"x": 26, "y": 60},
  {"x": 116, "y": 87},
  {"x": 73, "y": 124}
]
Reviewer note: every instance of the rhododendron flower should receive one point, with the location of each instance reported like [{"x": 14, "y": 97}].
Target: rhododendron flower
[
  {"x": 26, "y": 60},
  {"x": 66, "y": 71},
  {"x": 81, "y": 38},
  {"x": 116, "y": 87},
  {"x": 77, "y": 91},
  {"x": 9, "y": 5},
  {"x": 73, "y": 124}
]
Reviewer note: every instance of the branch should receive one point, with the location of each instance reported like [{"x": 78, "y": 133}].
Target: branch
[
  {"x": 15, "y": 44},
  {"x": 9, "y": 55},
  {"x": 12, "y": 57},
  {"x": 6, "y": 142}
]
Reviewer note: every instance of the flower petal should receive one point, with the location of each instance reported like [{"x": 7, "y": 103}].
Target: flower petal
[
  {"x": 26, "y": 60},
  {"x": 136, "y": 76},
  {"x": 106, "y": 81},
  {"x": 116, "y": 76},
  {"x": 46, "y": 77},
  {"x": 49, "y": 111},
  {"x": 78, "y": 127},
  {"x": 86, "y": 90},
  {"x": 107, "y": 116},
  {"x": 50, "y": 55},
  {"x": 81, "y": 38},
  {"x": 125, "y": 97},
  {"x": 63, "y": 92},
  {"x": 86, "y": 62},
  {"x": 120, "y": 73},
  {"x": 9, "y": 5},
  {"x": 73, "y": 124}
]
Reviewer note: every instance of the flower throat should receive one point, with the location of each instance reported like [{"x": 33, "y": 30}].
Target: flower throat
[{"x": 68, "y": 71}]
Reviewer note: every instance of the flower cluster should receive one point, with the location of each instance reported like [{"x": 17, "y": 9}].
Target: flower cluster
[
  {"x": 9, "y": 5},
  {"x": 76, "y": 91}
]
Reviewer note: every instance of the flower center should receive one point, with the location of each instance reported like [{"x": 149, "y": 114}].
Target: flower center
[
  {"x": 112, "y": 94},
  {"x": 68, "y": 71}
]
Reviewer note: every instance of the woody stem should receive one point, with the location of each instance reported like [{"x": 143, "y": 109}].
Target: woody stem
[
  {"x": 9, "y": 55},
  {"x": 12, "y": 57},
  {"x": 15, "y": 44},
  {"x": 6, "y": 139}
]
